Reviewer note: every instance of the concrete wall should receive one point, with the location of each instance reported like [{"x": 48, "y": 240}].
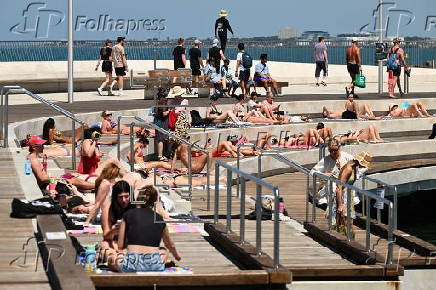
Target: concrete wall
[{"x": 51, "y": 76}]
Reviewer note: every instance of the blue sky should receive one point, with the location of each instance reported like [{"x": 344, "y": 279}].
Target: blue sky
[{"x": 196, "y": 18}]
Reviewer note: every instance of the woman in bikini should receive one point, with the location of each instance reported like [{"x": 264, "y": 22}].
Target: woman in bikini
[
  {"x": 252, "y": 116},
  {"x": 217, "y": 117},
  {"x": 368, "y": 135},
  {"x": 417, "y": 110},
  {"x": 53, "y": 136}
]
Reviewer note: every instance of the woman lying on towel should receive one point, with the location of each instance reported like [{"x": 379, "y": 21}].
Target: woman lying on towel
[{"x": 368, "y": 135}]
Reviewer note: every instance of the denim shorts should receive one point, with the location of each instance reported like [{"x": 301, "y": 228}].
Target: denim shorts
[{"x": 135, "y": 262}]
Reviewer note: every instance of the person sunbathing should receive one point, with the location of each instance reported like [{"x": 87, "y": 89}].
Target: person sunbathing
[
  {"x": 368, "y": 135},
  {"x": 252, "y": 116},
  {"x": 271, "y": 110},
  {"x": 107, "y": 126},
  {"x": 417, "y": 110},
  {"x": 216, "y": 116},
  {"x": 53, "y": 136},
  {"x": 325, "y": 133}
]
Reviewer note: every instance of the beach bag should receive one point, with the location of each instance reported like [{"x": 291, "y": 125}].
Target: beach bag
[
  {"x": 360, "y": 80},
  {"x": 247, "y": 61},
  {"x": 392, "y": 63},
  {"x": 197, "y": 121},
  {"x": 172, "y": 119}
]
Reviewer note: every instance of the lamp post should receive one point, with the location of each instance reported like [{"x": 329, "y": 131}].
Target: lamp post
[
  {"x": 380, "y": 62},
  {"x": 70, "y": 53}
]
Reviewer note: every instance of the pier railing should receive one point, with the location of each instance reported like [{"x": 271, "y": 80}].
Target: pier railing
[
  {"x": 7, "y": 90},
  {"x": 332, "y": 183}
]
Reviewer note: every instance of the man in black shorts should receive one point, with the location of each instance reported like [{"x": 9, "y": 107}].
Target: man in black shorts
[
  {"x": 353, "y": 64},
  {"x": 195, "y": 60},
  {"x": 243, "y": 71},
  {"x": 120, "y": 64},
  {"x": 401, "y": 61}
]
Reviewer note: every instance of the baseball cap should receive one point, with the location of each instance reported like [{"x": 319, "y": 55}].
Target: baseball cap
[
  {"x": 264, "y": 56},
  {"x": 76, "y": 201},
  {"x": 35, "y": 140},
  {"x": 215, "y": 42},
  {"x": 396, "y": 40},
  {"x": 197, "y": 41},
  {"x": 120, "y": 38},
  {"x": 354, "y": 39}
]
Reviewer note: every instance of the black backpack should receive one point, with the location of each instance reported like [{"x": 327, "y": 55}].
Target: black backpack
[
  {"x": 197, "y": 120},
  {"x": 247, "y": 60},
  {"x": 30, "y": 209}
]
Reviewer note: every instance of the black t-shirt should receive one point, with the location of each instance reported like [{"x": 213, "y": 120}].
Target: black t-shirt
[
  {"x": 177, "y": 53},
  {"x": 221, "y": 26},
  {"x": 214, "y": 53},
  {"x": 194, "y": 54},
  {"x": 105, "y": 53},
  {"x": 142, "y": 229}
]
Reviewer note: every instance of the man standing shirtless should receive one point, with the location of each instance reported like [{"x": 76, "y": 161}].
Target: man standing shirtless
[
  {"x": 399, "y": 55},
  {"x": 353, "y": 64}
]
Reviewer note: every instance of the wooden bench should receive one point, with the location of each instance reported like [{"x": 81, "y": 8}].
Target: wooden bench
[{"x": 170, "y": 78}]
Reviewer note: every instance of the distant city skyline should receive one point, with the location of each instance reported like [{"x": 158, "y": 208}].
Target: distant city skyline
[{"x": 145, "y": 19}]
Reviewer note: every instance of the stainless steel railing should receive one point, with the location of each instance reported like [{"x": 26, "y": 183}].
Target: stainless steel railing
[
  {"x": 7, "y": 90},
  {"x": 367, "y": 195},
  {"x": 258, "y": 208},
  {"x": 146, "y": 124}
]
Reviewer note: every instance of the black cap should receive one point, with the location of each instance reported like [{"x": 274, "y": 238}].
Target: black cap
[
  {"x": 264, "y": 56},
  {"x": 75, "y": 201},
  {"x": 120, "y": 38}
]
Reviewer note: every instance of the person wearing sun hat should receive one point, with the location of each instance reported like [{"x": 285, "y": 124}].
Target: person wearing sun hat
[
  {"x": 349, "y": 174},
  {"x": 221, "y": 27}
]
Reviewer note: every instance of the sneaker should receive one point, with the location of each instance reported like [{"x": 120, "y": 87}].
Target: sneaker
[
  {"x": 323, "y": 83},
  {"x": 100, "y": 91},
  {"x": 317, "y": 84},
  {"x": 279, "y": 95}
]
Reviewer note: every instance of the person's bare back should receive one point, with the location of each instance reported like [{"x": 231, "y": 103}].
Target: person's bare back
[{"x": 353, "y": 54}]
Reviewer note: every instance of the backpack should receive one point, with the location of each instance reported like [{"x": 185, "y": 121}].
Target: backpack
[
  {"x": 392, "y": 63},
  {"x": 247, "y": 61},
  {"x": 172, "y": 119},
  {"x": 197, "y": 121}
]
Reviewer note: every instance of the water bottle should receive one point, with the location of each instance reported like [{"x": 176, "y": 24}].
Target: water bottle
[
  {"x": 27, "y": 167},
  {"x": 281, "y": 205},
  {"x": 90, "y": 259},
  {"x": 44, "y": 163}
]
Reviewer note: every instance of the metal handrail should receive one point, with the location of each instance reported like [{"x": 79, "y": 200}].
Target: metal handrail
[
  {"x": 132, "y": 83},
  {"x": 258, "y": 208},
  {"x": 144, "y": 123},
  {"x": 366, "y": 194},
  {"x": 5, "y": 116}
]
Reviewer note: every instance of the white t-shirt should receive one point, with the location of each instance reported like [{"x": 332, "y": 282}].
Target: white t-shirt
[{"x": 239, "y": 57}]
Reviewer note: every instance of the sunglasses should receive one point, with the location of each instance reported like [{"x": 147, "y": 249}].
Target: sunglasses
[
  {"x": 334, "y": 150},
  {"x": 109, "y": 114}
]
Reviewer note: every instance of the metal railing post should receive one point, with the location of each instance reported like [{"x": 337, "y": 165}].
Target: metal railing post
[
  {"x": 4, "y": 88},
  {"x": 6, "y": 121},
  {"x": 229, "y": 201},
  {"x": 238, "y": 149},
  {"x": 73, "y": 145},
  {"x": 314, "y": 199},
  {"x": 208, "y": 181},
  {"x": 242, "y": 215},
  {"x": 390, "y": 235},
  {"x": 190, "y": 166},
  {"x": 363, "y": 199},
  {"x": 307, "y": 197},
  {"x": 132, "y": 147},
  {"x": 119, "y": 138},
  {"x": 349, "y": 202},
  {"x": 368, "y": 224},
  {"x": 259, "y": 208},
  {"x": 330, "y": 203},
  {"x": 395, "y": 193},
  {"x": 276, "y": 195},
  {"x": 217, "y": 192}
]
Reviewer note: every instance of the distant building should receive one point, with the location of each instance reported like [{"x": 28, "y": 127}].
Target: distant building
[
  {"x": 361, "y": 36},
  {"x": 287, "y": 32},
  {"x": 314, "y": 34}
]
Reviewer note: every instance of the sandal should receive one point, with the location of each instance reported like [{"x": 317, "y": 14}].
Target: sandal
[{"x": 163, "y": 158}]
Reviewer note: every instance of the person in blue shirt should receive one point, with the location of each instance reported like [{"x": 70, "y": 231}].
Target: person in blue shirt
[{"x": 262, "y": 75}]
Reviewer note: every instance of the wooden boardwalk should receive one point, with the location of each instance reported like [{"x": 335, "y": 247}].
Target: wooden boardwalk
[{"x": 14, "y": 273}]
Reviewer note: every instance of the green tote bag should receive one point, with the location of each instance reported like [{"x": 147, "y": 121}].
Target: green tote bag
[{"x": 360, "y": 80}]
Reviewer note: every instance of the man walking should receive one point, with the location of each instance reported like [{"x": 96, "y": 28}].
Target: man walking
[
  {"x": 243, "y": 64},
  {"x": 353, "y": 64},
  {"x": 395, "y": 61},
  {"x": 321, "y": 61},
  {"x": 120, "y": 65},
  {"x": 221, "y": 27},
  {"x": 179, "y": 54},
  {"x": 217, "y": 54},
  {"x": 196, "y": 62}
]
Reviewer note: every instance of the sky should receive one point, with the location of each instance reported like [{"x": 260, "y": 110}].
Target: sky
[{"x": 144, "y": 19}]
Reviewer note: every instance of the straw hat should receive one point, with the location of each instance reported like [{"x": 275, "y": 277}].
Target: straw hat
[
  {"x": 223, "y": 13},
  {"x": 364, "y": 158},
  {"x": 176, "y": 91}
]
